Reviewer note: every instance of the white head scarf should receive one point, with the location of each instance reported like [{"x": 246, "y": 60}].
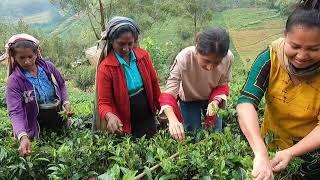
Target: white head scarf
[{"x": 11, "y": 41}]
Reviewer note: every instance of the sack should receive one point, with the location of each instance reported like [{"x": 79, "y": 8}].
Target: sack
[{"x": 98, "y": 53}]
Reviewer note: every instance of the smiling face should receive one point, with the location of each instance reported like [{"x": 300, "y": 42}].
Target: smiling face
[
  {"x": 208, "y": 62},
  {"x": 25, "y": 57},
  {"x": 302, "y": 46}
]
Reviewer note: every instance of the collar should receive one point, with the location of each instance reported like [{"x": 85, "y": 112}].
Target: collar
[
  {"x": 27, "y": 74},
  {"x": 121, "y": 59},
  {"x": 111, "y": 59}
]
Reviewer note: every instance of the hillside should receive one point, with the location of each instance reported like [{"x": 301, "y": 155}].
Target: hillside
[
  {"x": 253, "y": 29},
  {"x": 37, "y": 13}
]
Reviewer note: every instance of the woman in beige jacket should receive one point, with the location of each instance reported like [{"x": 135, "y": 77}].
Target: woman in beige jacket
[{"x": 199, "y": 81}]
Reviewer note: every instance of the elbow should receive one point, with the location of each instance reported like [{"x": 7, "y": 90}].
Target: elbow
[{"x": 239, "y": 109}]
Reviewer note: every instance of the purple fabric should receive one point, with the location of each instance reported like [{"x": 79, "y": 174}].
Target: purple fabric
[{"x": 21, "y": 101}]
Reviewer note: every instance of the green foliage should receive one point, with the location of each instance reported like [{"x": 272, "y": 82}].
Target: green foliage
[
  {"x": 77, "y": 153},
  {"x": 212, "y": 156},
  {"x": 82, "y": 106},
  {"x": 84, "y": 76},
  {"x": 159, "y": 56},
  {"x": 3, "y": 74},
  {"x": 62, "y": 52},
  {"x": 285, "y": 7},
  {"x": 251, "y": 19},
  {"x": 199, "y": 11}
]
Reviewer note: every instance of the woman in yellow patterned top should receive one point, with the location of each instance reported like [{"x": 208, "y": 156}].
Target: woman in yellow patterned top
[{"x": 288, "y": 75}]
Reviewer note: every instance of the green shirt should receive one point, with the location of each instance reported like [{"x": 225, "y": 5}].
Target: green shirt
[{"x": 257, "y": 80}]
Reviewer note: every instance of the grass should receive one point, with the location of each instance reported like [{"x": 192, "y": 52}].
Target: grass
[
  {"x": 249, "y": 18},
  {"x": 253, "y": 30},
  {"x": 81, "y": 101}
]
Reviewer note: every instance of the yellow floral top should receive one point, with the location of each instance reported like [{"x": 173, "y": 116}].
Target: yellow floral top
[{"x": 292, "y": 108}]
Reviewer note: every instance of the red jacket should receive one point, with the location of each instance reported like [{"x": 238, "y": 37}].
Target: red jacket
[{"x": 112, "y": 91}]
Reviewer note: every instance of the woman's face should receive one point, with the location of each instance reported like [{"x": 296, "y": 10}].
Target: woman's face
[
  {"x": 302, "y": 46},
  {"x": 208, "y": 62},
  {"x": 25, "y": 57},
  {"x": 124, "y": 43}
]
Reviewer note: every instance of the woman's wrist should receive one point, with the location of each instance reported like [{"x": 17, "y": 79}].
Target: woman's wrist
[
  {"x": 218, "y": 100},
  {"x": 24, "y": 137},
  {"x": 107, "y": 116},
  {"x": 291, "y": 152},
  {"x": 261, "y": 151}
]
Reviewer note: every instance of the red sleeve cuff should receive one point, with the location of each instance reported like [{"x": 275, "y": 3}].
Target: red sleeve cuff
[
  {"x": 220, "y": 90},
  {"x": 168, "y": 99}
]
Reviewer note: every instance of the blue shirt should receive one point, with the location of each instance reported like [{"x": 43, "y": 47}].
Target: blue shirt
[
  {"x": 133, "y": 77},
  {"x": 45, "y": 92}
]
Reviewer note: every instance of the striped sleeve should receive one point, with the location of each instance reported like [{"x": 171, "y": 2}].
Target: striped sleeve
[{"x": 257, "y": 80}]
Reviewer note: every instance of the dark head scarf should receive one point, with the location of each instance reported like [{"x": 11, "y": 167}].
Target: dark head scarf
[{"x": 113, "y": 27}]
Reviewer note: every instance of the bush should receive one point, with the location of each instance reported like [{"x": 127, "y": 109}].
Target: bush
[
  {"x": 3, "y": 73},
  {"x": 185, "y": 34},
  {"x": 285, "y": 7},
  {"x": 84, "y": 76},
  {"x": 62, "y": 52},
  {"x": 2, "y": 96},
  {"x": 161, "y": 57}
]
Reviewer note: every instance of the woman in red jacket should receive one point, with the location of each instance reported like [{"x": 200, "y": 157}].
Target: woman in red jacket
[{"x": 127, "y": 83}]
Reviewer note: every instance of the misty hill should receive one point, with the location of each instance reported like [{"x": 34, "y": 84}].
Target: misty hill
[{"x": 37, "y": 13}]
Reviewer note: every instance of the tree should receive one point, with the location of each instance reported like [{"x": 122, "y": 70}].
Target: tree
[
  {"x": 89, "y": 7},
  {"x": 198, "y": 10}
]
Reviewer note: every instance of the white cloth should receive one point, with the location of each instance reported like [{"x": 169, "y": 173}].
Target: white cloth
[{"x": 13, "y": 39}]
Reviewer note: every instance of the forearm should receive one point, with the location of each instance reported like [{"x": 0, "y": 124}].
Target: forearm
[
  {"x": 170, "y": 115},
  {"x": 248, "y": 120},
  {"x": 309, "y": 143},
  {"x": 19, "y": 127}
]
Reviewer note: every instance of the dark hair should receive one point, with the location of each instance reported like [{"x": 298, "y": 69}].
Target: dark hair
[
  {"x": 124, "y": 29},
  {"x": 121, "y": 30},
  {"x": 307, "y": 13},
  {"x": 22, "y": 44},
  {"x": 213, "y": 41}
]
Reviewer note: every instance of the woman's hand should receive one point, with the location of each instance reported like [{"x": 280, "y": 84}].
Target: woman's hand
[
  {"x": 262, "y": 169},
  {"x": 248, "y": 120},
  {"x": 176, "y": 129},
  {"x": 67, "y": 107},
  {"x": 281, "y": 160},
  {"x": 114, "y": 124},
  {"x": 213, "y": 108},
  {"x": 25, "y": 146}
]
